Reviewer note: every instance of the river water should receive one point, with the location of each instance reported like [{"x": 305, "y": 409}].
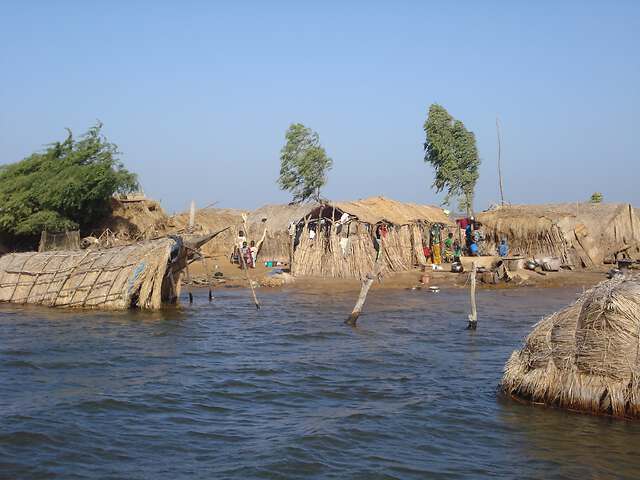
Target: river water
[{"x": 222, "y": 390}]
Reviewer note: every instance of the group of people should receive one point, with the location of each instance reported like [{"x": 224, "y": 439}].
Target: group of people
[
  {"x": 450, "y": 250},
  {"x": 247, "y": 253}
]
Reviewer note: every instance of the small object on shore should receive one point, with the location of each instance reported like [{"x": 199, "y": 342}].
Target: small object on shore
[
  {"x": 436, "y": 267},
  {"x": 530, "y": 264},
  {"x": 613, "y": 272},
  {"x": 457, "y": 267},
  {"x": 424, "y": 279}
]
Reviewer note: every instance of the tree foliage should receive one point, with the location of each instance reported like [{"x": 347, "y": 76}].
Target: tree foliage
[
  {"x": 67, "y": 186},
  {"x": 451, "y": 150},
  {"x": 303, "y": 163},
  {"x": 596, "y": 197}
]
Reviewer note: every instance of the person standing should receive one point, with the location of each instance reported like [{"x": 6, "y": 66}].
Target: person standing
[{"x": 503, "y": 248}]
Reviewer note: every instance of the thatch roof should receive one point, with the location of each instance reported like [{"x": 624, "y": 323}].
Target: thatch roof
[
  {"x": 142, "y": 275},
  {"x": 134, "y": 219},
  {"x": 278, "y": 217},
  {"x": 584, "y": 357},
  {"x": 380, "y": 209},
  {"x": 209, "y": 220},
  {"x": 590, "y": 232}
]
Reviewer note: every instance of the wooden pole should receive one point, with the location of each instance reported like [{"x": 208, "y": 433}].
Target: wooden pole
[
  {"x": 473, "y": 317},
  {"x": 246, "y": 273},
  {"x": 192, "y": 216},
  {"x": 189, "y": 283},
  {"x": 364, "y": 290},
  {"x": 499, "y": 163}
]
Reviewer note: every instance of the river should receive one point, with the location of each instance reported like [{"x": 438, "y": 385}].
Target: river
[{"x": 225, "y": 391}]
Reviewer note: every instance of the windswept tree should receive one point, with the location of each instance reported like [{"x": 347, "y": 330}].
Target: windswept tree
[
  {"x": 451, "y": 150},
  {"x": 303, "y": 164},
  {"x": 596, "y": 197},
  {"x": 67, "y": 186}
]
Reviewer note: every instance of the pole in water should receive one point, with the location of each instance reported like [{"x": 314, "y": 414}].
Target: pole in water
[
  {"x": 473, "y": 316},
  {"x": 246, "y": 272},
  {"x": 190, "y": 297},
  {"x": 366, "y": 285}
]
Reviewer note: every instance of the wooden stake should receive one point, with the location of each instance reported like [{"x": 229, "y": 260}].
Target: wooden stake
[
  {"x": 192, "y": 216},
  {"x": 189, "y": 283},
  {"x": 499, "y": 164},
  {"x": 246, "y": 273},
  {"x": 473, "y": 317},
  {"x": 366, "y": 285}
]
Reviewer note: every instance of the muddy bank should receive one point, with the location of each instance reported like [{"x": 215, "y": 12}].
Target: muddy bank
[{"x": 233, "y": 277}]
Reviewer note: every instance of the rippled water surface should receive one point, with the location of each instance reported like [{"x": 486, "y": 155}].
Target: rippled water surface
[{"x": 224, "y": 391}]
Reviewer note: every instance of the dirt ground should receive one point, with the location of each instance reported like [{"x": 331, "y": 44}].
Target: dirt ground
[{"x": 233, "y": 276}]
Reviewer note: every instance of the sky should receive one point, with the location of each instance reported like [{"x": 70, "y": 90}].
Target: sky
[{"x": 198, "y": 95}]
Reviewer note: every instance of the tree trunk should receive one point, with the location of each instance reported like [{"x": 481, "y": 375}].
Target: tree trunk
[{"x": 366, "y": 285}]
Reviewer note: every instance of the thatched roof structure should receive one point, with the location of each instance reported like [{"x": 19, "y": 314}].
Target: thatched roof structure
[
  {"x": 277, "y": 219},
  {"x": 585, "y": 357},
  {"x": 343, "y": 246},
  {"x": 134, "y": 219},
  {"x": 142, "y": 275},
  {"x": 376, "y": 210},
  {"x": 209, "y": 220},
  {"x": 582, "y": 234}
]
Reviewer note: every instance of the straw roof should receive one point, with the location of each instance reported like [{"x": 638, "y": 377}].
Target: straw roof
[
  {"x": 209, "y": 220},
  {"x": 114, "y": 278},
  {"x": 584, "y": 357},
  {"x": 279, "y": 217},
  {"x": 134, "y": 219},
  {"x": 580, "y": 233},
  {"x": 142, "y": 275},
  {"x": 380, "y": 209}
]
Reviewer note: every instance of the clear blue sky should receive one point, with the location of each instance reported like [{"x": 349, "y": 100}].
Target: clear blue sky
[{"x": 198, "y": 95}]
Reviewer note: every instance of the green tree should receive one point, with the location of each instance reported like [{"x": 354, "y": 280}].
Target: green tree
[
  {"x": 303, "y": 164},
  {"x": 451, "y": 150},
  {"x": 596, "y": 197},
  {"x": 67, "y": 186}
]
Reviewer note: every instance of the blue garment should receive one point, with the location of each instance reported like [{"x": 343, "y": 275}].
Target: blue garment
[
  {"x": 473, "y": 248},
  {"x": 467, "y": 232},
  {"x": 503, "y": 250}
]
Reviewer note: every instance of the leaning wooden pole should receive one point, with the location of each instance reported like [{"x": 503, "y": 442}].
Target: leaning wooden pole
[
  {"x": 364, "y": 290},
  {"x": 246, "y": 273},
  {"x": 499, "y": 162},
  {"x": 473, "y": 316}
]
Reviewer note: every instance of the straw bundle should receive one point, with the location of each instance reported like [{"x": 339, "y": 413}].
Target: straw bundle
[
  {"x": 117, "y": 278},
  {"x": 585, "y": 357}
]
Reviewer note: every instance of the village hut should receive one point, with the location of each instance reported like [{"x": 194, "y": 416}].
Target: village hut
[
  {"x": 585, "y": 357},
  {"x": 143, "y": 275},
  {"x": 582, "y": 235},
  {"x": 337, "y": 239},
  {"x": 209, "y": 220},
  {"x": 132, "y": 218},
  {"x": 277, "y": 221}
]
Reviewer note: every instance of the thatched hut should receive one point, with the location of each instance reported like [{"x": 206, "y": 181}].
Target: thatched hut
[
  {"x": 133, "y": 218},
  {"x": 209, "y": 220},
  {"x": 581, "y": 234},
  {"x": 143, "y": 275},
  {"x": 336, "y": 239},
  {"x": 585, "y": 357},
  {"x": 277, "y": 220}
]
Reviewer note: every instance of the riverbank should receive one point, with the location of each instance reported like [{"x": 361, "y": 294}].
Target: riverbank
[{"x": 232, "y": 277}]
